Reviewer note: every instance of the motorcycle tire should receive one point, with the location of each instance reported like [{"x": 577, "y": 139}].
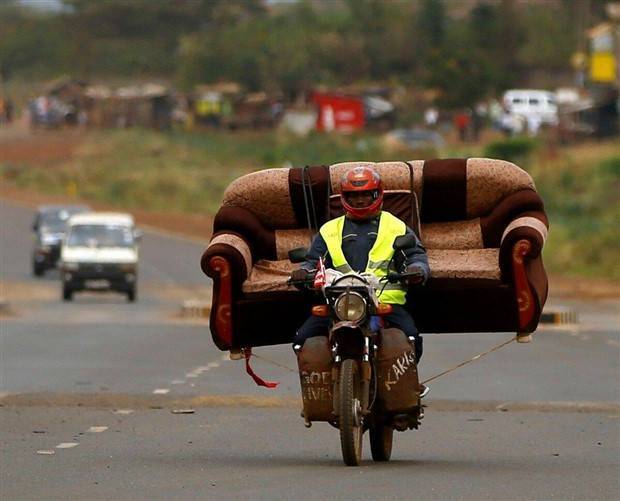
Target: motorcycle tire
[
  {"x": 381, "y": 442},
  {"x": 350, "y": 413},
  {"x": 38, "y": 270}
]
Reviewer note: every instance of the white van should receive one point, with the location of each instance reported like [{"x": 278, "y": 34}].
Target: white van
[
  {"x": 536, "y": 107},
  {"x": 100, "y": 252}
]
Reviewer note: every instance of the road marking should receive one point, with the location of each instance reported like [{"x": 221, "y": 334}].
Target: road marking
[
  {"x": 225, "y": 357},
  {"x": 212, "y": 365},
  {"x": 67, "y": 445},
  {"x": 177, "y": 381},
  {"x": 124, "y": 412},
  {"x": 612, "y": 342},
  {"x": 191, "y": 375},
  {"x": 203, "y": 368},
  {"x": 97, "y": 429},
  {"x": 161, "y": 391},
  {"x": 182, "y": 411},
  {"x": 46, "y": 452}
]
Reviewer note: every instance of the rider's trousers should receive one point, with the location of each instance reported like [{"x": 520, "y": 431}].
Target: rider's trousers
[{"x": 399, "y": 318}]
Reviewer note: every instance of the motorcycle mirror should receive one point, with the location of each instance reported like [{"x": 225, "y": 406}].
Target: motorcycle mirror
[
  {"x": 404, "y": 241},
  {"x": 298, "y": 255}
]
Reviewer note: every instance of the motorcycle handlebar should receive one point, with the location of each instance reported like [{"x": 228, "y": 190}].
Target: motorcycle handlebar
[{"x": 393, "y": 277}]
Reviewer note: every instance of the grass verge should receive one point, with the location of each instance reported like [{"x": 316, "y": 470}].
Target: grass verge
[{"x": 187, "y": 172}]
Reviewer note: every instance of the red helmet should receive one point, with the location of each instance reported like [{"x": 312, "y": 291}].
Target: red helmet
[{"x": 362, "y": 179}]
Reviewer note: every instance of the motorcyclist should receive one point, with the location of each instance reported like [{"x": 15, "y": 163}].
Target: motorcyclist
[{"x": 360, "y": 241}]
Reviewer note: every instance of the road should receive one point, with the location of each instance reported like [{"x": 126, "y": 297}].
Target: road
[{"x": 107, "y": 380}]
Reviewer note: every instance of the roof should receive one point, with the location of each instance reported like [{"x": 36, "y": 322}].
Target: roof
[
  {"x": 59, "y": 207},
  {"x": 120, "y": 218}
]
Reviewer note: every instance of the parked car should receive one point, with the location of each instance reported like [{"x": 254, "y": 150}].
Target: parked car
[
  {"x": 100, "y": 252},
  {"x": 535, "y": 107},
  {"x": 49, "y": 227}
]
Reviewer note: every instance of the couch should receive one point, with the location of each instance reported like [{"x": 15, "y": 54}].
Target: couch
[{"x": 481, "y": 220}]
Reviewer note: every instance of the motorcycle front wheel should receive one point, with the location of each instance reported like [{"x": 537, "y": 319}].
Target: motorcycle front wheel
[{"x": 350, "y": 413}]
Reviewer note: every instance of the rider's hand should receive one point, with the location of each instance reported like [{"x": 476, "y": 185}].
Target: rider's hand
[
  {"x": 299, "y": 275},
  {"x": 416, "y": 274}
]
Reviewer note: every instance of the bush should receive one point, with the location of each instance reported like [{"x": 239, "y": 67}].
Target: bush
[{"x": 514, "y": 149}]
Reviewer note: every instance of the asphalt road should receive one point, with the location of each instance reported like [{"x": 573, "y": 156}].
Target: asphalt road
[{"x": 536, "y": 421}]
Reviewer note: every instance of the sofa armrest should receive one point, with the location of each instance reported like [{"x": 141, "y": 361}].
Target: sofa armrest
[
  {"x": 521, "y": 264},
  {"x": 232, "y": 247},
  {"x": 228, "y": 261},
  {"x": 529, "y": 228}
]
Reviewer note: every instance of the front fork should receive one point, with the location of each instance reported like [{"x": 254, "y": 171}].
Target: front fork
[{"x": 365, "y": 368}]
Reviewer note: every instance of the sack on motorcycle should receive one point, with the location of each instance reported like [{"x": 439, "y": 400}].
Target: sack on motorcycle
[
  {"x": 315, "y": 375},
  {"x": 397, "y": 373}
]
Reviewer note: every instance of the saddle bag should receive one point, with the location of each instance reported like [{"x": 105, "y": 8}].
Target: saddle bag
[
  {"x": 315, "y": 375},
  {"x": 398, "y": 387}
]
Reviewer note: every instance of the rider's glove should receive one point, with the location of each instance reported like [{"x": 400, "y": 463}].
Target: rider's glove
[
  {"x": 299, "y": 275},
  {"x": 416, "y": 274}
]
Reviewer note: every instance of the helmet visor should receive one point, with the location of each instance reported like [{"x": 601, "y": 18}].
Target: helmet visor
[{"x": 360, "y": 199}]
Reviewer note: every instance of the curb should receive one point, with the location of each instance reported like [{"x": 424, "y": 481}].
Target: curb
[
  {"x": 559, "y": 315},
  {"x": 195, "y": 308}
]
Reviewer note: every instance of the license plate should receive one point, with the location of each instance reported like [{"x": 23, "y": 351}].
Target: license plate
[{"x": 97, "y": 284}]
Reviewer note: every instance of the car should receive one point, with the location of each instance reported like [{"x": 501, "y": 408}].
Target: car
[
  {"x": 100, "y": 252},
  {"x": 535, "y": 107},
  {"x": 49, "y": 226}
]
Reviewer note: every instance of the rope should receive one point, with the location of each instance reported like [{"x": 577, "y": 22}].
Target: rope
[
  {"x": 436, "y": 376},
  {"x": 273, "y": 362},
  {"x": 310, "y": 215},
  {"x": 479, "y": 355}
]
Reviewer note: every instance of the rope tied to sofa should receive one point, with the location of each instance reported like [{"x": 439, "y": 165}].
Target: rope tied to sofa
[
  {"x": 436, "y": 376},
  {"x": 313, "y": 222}
]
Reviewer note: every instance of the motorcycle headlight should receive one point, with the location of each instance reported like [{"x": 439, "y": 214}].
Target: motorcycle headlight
[{"x": 350, "y": 306}]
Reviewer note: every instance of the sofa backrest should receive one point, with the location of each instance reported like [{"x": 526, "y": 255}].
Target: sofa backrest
[{"x": 463, "y": 203}]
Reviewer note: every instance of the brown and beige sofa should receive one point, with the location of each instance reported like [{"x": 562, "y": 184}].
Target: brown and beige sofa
[{"x": 481, "y": 220}]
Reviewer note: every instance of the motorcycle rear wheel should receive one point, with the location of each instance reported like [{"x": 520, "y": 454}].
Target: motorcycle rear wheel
[
  {"x": 350, "y": 413},
  {"x": 381, "y": 442}
]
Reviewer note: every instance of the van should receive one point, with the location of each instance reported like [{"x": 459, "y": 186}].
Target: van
[
  {"x": 100, "y": 252},
  {"x": 49, "y": 230},
  {"x": 537, "y": 107}
]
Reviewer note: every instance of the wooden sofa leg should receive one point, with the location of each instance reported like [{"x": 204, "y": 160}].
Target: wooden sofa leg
[
  {"x": 223, "y": 320},
  {"x": 525, "y": 298}
]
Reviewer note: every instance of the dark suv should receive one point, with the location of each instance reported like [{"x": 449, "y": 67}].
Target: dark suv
[{"x": 49, "y": 228}]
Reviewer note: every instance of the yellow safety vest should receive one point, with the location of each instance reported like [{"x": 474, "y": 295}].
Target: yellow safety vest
[{"x": 390, "y": 227}]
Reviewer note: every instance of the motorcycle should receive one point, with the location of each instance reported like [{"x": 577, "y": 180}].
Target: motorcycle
[{"x": 361, "y": 377}]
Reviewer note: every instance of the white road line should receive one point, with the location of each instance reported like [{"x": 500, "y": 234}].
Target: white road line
[
  {"x": 123, "y": 412},
  {"x": 67, "y": 445},
  {"x": 46, "y": 452},
  {"x": 225, "y": 357},
  {"x": 97, "y": 429},
  {"x": 177, "y": 381},
  {"x": 212, "y": 365},
  {"x": 191, "y": 375},
  {"x": 161, "y": 391}
]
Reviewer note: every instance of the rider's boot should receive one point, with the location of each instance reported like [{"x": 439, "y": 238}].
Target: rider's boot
[{"x": 424, "y": 390}]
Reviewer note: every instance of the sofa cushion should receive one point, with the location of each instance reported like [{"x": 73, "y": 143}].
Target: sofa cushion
[
  {"x": 465, "y": 264},
  {"x": 462, "y": 264},
  {"x": 453, "y": 235}
]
